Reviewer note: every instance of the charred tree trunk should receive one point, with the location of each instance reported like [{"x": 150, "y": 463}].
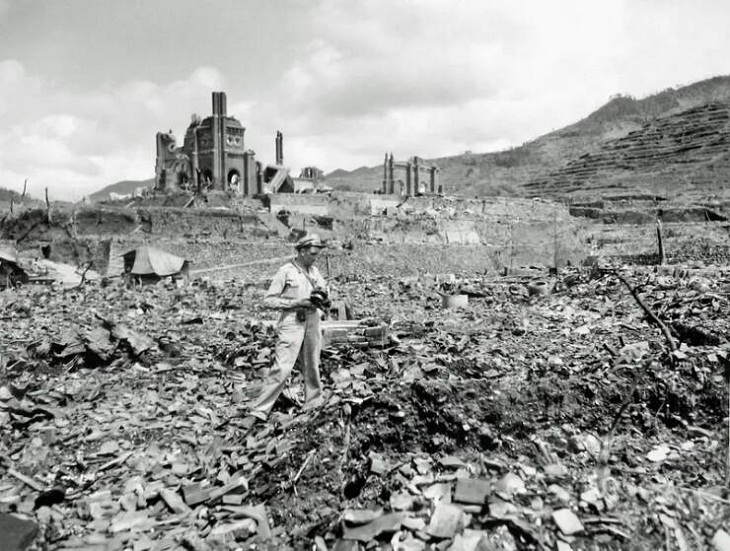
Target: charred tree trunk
[
  {"x": 662, "y": 258},
  {"x": 48, "y": 208}
]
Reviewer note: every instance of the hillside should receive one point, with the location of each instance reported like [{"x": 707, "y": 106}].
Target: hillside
[
  {"x": 684, "y": 153},
  {"x": 124, "y": 187},
  {"x": 507, "y": 172}
]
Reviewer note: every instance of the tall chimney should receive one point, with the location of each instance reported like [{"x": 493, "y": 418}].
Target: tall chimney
[
  {"x": 220, "y": 108},
  {"x": 279, "y": 148},
  {"x": 216, "y": 104}
]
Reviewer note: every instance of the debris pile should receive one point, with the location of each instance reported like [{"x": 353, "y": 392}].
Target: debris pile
[{"x": 546, "y": 421}]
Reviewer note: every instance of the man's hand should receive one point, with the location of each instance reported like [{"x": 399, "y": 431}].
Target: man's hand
[{"x": 303, "y": 303}]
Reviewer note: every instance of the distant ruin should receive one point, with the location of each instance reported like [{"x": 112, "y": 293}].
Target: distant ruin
[
  {"x": 213, "y": 157},
  {"x": 410, "y": 178}
]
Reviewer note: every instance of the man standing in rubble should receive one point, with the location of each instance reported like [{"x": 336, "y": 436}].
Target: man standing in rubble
[{"x": 299, "y": 291}]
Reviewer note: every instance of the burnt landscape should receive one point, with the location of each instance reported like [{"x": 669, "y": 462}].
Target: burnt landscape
[{"x": 577, "y": 397}]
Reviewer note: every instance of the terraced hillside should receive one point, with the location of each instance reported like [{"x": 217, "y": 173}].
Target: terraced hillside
[{"x": 687, "y": 153}]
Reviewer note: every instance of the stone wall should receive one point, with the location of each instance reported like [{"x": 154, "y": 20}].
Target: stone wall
[
  {"x": 509, "y": 242},
  {"x": 200, "y": 223},
  {"x": 314, "y": 205},
  {"x": 156, "y": 221}
]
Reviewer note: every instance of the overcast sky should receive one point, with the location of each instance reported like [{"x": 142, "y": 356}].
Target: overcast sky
[{"x": 86, "y": 84}]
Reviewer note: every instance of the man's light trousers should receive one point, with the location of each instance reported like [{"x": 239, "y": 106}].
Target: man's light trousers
[{"x": 296, "y": 339}]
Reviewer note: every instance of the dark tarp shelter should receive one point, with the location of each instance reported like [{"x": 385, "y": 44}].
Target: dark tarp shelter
[
  {"x": 150, "y": 264},
  {"x": 11, "y": 274}
]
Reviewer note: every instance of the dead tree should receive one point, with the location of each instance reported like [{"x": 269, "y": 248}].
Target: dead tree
[
  {"x": 88, "y": 267},
  {"x": 660, "y": 241},
  {"x": 649, "y": 314},
  {"x": 48, "y": 209}
]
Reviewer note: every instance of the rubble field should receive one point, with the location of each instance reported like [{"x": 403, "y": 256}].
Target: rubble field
[{"x": 588, "y": 411}]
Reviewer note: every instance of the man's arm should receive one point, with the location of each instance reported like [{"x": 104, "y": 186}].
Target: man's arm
[{"x": 273, "y": 299}]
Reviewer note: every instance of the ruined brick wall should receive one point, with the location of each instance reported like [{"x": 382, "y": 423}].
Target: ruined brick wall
[
  {"x": 514, "y": 231},
  {"x": 114, "y": 223},
  {"x": 200, "y": 223}
]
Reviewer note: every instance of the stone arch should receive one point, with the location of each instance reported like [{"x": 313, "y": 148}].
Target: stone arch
[
  {"x": 182, "y": 180},
  {"x": 207, "y": 178},
  {"x": 234, "y": 180}
]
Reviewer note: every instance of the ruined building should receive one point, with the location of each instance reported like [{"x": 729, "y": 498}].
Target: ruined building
[
  {"x": 413, "y": 177},
  {"x": 213, "y": 156}
]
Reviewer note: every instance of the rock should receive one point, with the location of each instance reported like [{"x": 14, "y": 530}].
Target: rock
[
  {"x": 195, "y": 494},
  {"x": 174, "y": 501},
  {"x": 17, "y": 533},
  {"x": 592, "y": 444},
  {"x": 406, "y": 542},
  {"x": 446, "y": 521},
  {"x": 440, "y": 491},
  {"x": 451, "y": 462},
  {"x": 555, "y": 470},
  {"x": 634, "y": 351},
  {"x": 357, "y": 517},
  {"x": 258, "y": 514},
  {"x": 594, "y": 498},
  {"x": 499, "y": 508},
  {"x": 721, "y": 540},
  {"x": 568, "y": 523},
  {"x": 559, "y": 492},
  {"x": 472, "y": 490},
  {"x": 402, "y": 501},
  {"x": 658, "y": 454},
  {"x": 137, "y": 521},
  {"x": 469, "y": 540},
  {"x": 378, "y": 464},
  {"x": 384, "y": 525},
  {"x": 414, "y": 524},
  {"x": 239, "y": 530},
  {"x": 509, "y": 485}
]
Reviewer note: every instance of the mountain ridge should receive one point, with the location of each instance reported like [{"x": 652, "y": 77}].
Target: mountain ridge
[{"x": 507, "y": 172}]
